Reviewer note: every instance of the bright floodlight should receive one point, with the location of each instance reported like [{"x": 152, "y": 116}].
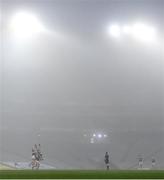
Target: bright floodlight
[
  {"x": 94, "y": 135},
  {"x": 114, "y": 30},
  {"x": 143, "y": 32},
  {"x": 24, "y": 24},
  {"x": 99, "y": 135}
]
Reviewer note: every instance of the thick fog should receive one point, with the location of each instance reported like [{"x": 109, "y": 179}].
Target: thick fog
[{"x": 61, "y": 86}]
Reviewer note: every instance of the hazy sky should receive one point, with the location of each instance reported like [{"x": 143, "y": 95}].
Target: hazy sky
[
  {"x": 81, "y": 74},
  {"x": 76, "y": 75}
]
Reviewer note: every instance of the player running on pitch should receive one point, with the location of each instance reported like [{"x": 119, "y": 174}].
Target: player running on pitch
[
  {"x": 153, "y": 162},
  {"x": 140, "y": 163},
  {"x": 106, "y": 159}
]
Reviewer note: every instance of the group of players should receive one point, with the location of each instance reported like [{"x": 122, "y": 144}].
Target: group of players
[
  {"x": 140, "y": 162},
  {"x": 36, "y": 156}
]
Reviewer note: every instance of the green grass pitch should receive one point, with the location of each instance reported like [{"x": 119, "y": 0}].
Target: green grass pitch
[{"x": 82, "y": 174}]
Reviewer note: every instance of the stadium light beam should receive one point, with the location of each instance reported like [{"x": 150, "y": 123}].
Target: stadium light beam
[
  {"x": 139, "y": 31},
  {"x": 143, "y": 33},
  {"x": 25, "y": 25},
  {"x": 99, "y": 135},
  {"x": 114, "y": 30}
]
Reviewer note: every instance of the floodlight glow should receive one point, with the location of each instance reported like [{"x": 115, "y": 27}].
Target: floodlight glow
[
  {"x": 114, "y": 30},
  {"x": 99, "y": 135},
  {"x": 126, "y": 29},
  {"x": 94, "y": 135},
  {"x": 24, "y": 24},
  {"x": 143, "y": 32},
  {"x": 105, "y": 135}
]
